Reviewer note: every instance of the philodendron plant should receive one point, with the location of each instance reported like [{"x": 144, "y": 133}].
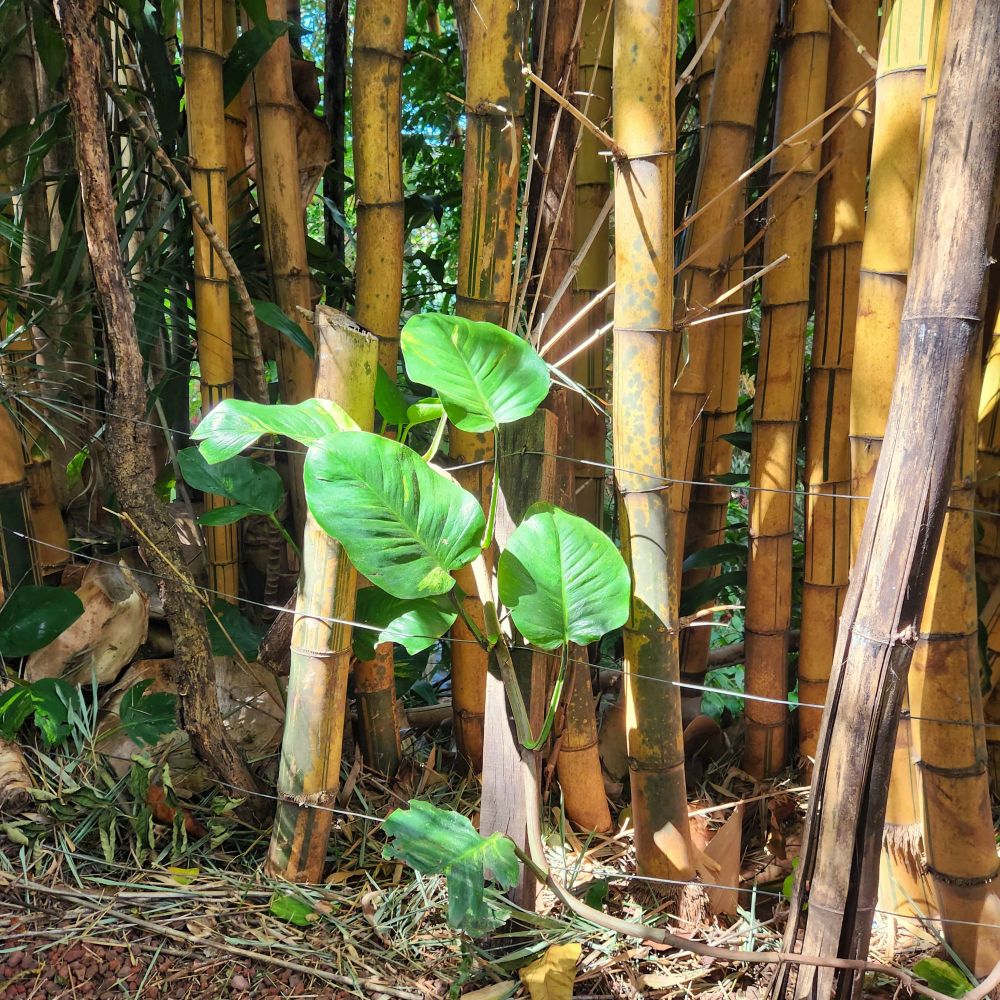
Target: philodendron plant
[{"x": 407, "y": 526}]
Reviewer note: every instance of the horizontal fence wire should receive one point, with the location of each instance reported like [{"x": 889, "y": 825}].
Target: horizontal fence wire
[
  {"x": 684, "y": 685},
  {"x": 610, "y": 874}
]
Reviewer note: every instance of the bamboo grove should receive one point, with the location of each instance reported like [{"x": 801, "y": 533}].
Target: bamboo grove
[{"x": 744, "y": 252}]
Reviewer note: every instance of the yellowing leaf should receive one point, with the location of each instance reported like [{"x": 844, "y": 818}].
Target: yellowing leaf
[
  {"x": 495, "y": 991},
  {"x": 183, "y": 876},
  {"x": 551, "y": 976}
]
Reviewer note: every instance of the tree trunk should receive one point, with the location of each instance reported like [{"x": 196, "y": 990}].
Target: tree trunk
[
  {"x": 127, "y": 440},
  {"x": 644, "y": 346},
  {"x": 892, "y": 573},
  {"x": 379, "y": 28}
]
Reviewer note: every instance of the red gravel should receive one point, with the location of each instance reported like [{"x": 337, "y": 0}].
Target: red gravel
[{"x": 32, "y": 967}]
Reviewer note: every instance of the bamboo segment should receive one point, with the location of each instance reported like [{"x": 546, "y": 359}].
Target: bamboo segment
[
  {"x": 727, "y": 140},
  {"x": 908, "y": 36},
  {"x": 494, "y": 98},
  {"x": 272, "y": 115},
  {"x": 593, "y": 187},
  {"x": 553, "y": 200},
  {"x": 309, "y": 774},
  {"x": 379, "y": 28},
  {"x": 644, "y": 345},
  {"x": 203, "y": 60},
  {"x": 839, "y": 232},
  {"x": 945, "y": 684},
  {"x": 777, "y": 401}
]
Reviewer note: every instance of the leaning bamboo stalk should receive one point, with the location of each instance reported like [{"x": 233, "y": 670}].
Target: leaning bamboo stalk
[
  {"x": 316, "y": 706},
  {"x": 203, "y": 61},
  {"x": 727, "y": 141},
  {"x": 644, "y": 346},
  {"x": 910, "y": 30},
  {"x": 839, "y": 233},
  {"x": 893, "y": 570},
  {"x": 494, "y": 99},
  {"x": 271, "y": 112},
  {"x": 379, "y": 28},
  {"x": 778, "y": 390}
]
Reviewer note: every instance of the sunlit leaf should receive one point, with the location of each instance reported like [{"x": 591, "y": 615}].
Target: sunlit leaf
[
  {"x": 249, "y": 483},
  {"x": 414, "y": 624},
  {"x": 293, "y": 909},
  {"x": 942, "y": 976}
]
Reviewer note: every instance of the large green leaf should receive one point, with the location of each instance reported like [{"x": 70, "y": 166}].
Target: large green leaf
[
  {"x": 443, "y": 842},
  {"x": 253, "y": 486},
  {"x": 147, "y": 717},
  {"x": 403, "y": 525},
  {"x": 415, "y": 625},
  {"x": 33, "y": 616},
  {"x": 484, "y": 374},
  {"x": 235, "y": 424},
  {"x": 562, "y": 579},
  {"x": 942, "y": 976},
  {"x": 274, "y": 316},
  {"x": 244, "y": 56},
  {"x": 227, "y": 629}
]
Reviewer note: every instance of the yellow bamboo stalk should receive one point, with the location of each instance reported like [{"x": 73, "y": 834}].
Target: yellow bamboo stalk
[
  {"x": 316, "y": 705},
  {"x": 204, "y": 49},
  {"x": 911, "y": 31},
  {"x": 727, "y": 140},
  {"x": 494, "y": 99},
  {"x": 593, "y": 186},
  {"x": 379, "y": 29},
  {"x": 839, "y": 233},
  {"x": 644, "y": 346},
  {"x": 272, "y": 115},
  {"x": 778, "y": 392},
  {"x": 945, "y": 684}
]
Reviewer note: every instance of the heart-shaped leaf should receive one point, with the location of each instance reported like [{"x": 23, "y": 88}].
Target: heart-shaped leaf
[
  {"x": 234, "y": 631},
  {"x": 389, "y": 400},
  {"x": 248, "y": 483},
  {"x": 235, "y": 424},
  {"x": 415, "y": 625},
  {"x": 403, "y": 525},
  {"x": 485, "y": 375},
  {"x": 562, "y": 579},
  {"x": 33, "y": 616},
  {"x": 147, "y": 717},
  {"x": 443, "y": 842}
]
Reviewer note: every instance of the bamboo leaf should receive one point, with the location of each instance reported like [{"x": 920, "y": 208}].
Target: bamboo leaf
[
  {"x": 484, "y": 374},
  {"x": 714, "y": 555},
  {"x": 235, "y": 424},
  {"x": 403, "y": 525},
  {"x": 693, "y": 598},
  {"x": 33, "y": 616},
  {"x": 562, "y": 579},
  {"x": 443, "y": 842}
]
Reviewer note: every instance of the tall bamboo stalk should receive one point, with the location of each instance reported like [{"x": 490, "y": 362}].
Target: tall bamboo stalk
[
  {"x": 908, "y": 35},
  {"x": 894, "y": 568},
  {"x": 839, "y": 233},
  {"x": 271, "y": 111},
  {"x": 644, "y": 346},
  {"x": 945, "y": 684},
  {"x": 741, "y": 47},
  {"x": 204, "y": 49},
  {"x": 592, "y": 178},
  {"x": 778, "y": 395},
  {"x": 316, "y": 705},
  {"x": 727, "y": 140},
  {"x": 379, "y": 28},
  {"x": 552, "y": 206},
  {"x": 494, "y": 99}
]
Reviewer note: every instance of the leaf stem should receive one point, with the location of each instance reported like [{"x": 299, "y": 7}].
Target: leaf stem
[
  {"x": 284, "y": 534},
  {"x": 491, "y": 516},
  {"x": 436, "y": 440}
]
